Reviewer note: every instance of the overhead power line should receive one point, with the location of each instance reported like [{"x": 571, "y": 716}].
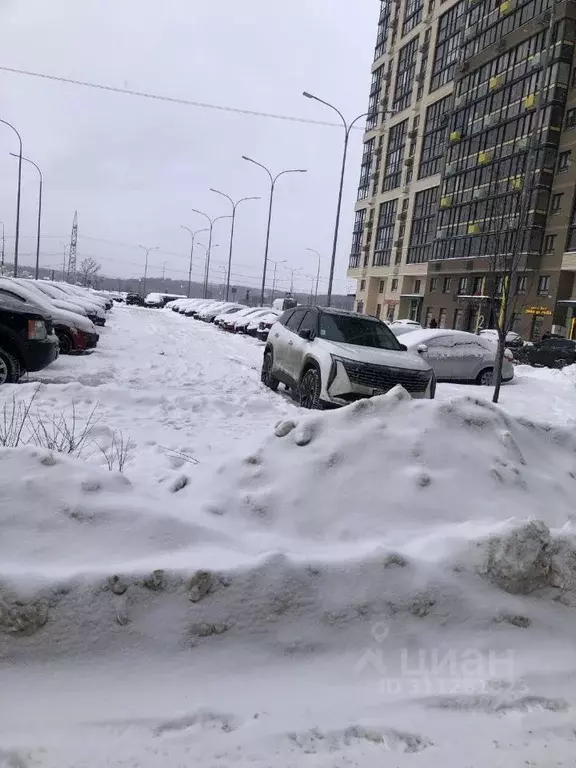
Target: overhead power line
[{"x": 170, "y": 99}]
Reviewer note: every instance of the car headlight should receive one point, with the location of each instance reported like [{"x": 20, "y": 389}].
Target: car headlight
[{"x": 334, "y": 367}]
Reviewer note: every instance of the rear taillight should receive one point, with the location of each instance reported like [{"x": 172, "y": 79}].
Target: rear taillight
[
  {"x": 508, "y": 355},
  {"x": 37, "y": 330}
]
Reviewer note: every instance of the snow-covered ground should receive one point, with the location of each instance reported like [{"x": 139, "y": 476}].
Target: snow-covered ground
[{"x": 392, "y": 584}]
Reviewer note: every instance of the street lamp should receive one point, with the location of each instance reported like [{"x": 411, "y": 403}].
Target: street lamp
[
  {"x": 347, "y": 131},
  {"x": 207, "y": 268},
  {"x": 292, "y": 272},
  {"x": 234, "y": 206},
  {"x": 39, "y": 225},
  {"x": 274, "y": 278},
  {"x": 273, "y": 180},
  {"x": 193, "y": 235},
  {"x": 3, "y": 249},
  {"x": 148, "y": 250},
  {"x": 18, "y": 195},
  {"x": 313, "y": 250}
]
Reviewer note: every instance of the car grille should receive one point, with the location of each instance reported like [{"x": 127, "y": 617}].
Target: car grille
[{"x": 383, "y": 378}]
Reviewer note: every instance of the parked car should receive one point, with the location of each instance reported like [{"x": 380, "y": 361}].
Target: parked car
[
  {"x": 241, "y": 325},
  {"x": 193, "y": 309},
  {"x": 229, "y": 323},
  {"x": 458, "y": 355},
  {"x": 134, "y": 299},
  {"x": 75, "y": 333},
  {"x": 270, "y": 316},
  {"x": 159, "y": 300},
  {"x": 27, "y": 339},
  {"x": 265, "y": 323},
  {"x": 414, "y": 324},
  {"x": 228, "y": 315},
  {"x": 513, "y": 339},
  {"x": 288, "y": 302},
  {"x": 70, "y": 301},
  {"x": 332, "y": 357},
  {"x": 553, "y": 352},
  {"x": 209, "y": 313}
]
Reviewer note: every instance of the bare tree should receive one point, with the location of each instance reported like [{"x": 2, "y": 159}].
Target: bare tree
[{"x": 88, "y": 271}]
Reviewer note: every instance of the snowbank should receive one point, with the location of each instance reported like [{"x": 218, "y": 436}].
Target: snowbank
[{"x": 389, "y": 509}]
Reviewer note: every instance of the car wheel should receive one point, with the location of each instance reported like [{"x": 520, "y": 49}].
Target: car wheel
[
  {"x": 310, "y": 388},
  {"x": 66, "y": 343},
  {"x": 561, "y": 363},
  {"x": 266, "y": 376},
  {"x": 486, "y": 377},
  {"x": 10, "y": 370}
]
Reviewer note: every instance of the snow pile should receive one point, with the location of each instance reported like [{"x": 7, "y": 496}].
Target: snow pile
[{"x": 389, "y": 509}]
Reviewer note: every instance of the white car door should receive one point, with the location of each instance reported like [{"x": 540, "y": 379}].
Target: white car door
[
  {"x": 297, "y": 349},
  {"x": 284, "y": 338},
  {"x": 440, "y": 355}
]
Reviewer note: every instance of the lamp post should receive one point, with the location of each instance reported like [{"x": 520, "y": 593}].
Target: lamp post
[
  {"x": 3, "y": 249},
  {"x": 18, "y": 196},
  {"x": 274, "y": 278},
  {"x": 313, "y": 250},
  {"x": 193, "y": 236},
  {"x": 148, "y": 250},
  {"x": 39, "y": 225},
  {"x": 273, "y": 180},
  {"x": 292, "y": 273},
  {"x": 234, "y": 206},
  {"x": 347, "y": 131},
  {"x": 207, "y": 268}
]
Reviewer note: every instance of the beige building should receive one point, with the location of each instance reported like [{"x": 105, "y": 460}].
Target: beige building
[{"x": 457, "y": 92}]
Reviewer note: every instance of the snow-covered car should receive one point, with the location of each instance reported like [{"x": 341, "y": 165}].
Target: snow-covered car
[
  {"x": 331, "y": 357},
  {"x": 159, "y": 300},
  {"x": 458, "y": 355},
  {"x": 513, "y": 339},
  {"x": 71, "y": 302},
  {"x": 401, "y": 329},
  {"x": 241, "y": 325},
  {"x": 228, "y": 315},
  {"x": 192, "y": 309},
  {"x": 265, "y": 322},
  {"x": 229, "y": 323},
  {"x": 87, "y": 297},
  {"x": 412, "y": 323},
  {"x": 75, "y": 333},
  {"x": 210, "y": 313}
]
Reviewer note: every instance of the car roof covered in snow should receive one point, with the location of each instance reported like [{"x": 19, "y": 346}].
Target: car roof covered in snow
[{"x": 425, "y": 335}]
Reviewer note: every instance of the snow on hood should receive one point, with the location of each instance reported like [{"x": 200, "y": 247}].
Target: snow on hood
[{"x": 395, "y": 358}]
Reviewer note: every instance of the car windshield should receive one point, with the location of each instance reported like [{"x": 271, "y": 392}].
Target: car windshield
[{"x": 360, "y": 331}]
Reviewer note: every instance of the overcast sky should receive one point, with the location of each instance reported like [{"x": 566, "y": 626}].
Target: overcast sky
[{"x": 133, "y": 168}]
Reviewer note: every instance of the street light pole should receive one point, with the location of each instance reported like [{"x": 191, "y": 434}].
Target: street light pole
[
  {"x": 18, "y": 196},
  {"x": 292, "y": 272},
  {"x": 207, "y": 268},
  {"x": 3, "y": 249},
  {"x": 148, "y": 250},
  {"x": 193, "y": 235},
  {"x": 274, "y": 278},
  {"x": 39, "y": 225},
  {"x": 313, "y": 250},
  {"x": 273, "y": 180},
  {"x": 234, "y": 206},
  {"x": 347, "y": 131}
]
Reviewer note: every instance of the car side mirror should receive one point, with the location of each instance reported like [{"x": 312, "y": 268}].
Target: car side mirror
[
  {"x": 403, "y": 348},
  {"x": 422, "y": 349},
  {"x": 307, "y": 334}
]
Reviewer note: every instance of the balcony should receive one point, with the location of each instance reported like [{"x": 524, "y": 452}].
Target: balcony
[{"x": 354, "y": 261}]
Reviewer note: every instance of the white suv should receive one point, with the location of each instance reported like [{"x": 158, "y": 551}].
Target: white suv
[{"x": 331, "y": 357}]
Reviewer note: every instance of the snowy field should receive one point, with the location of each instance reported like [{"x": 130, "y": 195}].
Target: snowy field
[{"x": 392, "y": 584}]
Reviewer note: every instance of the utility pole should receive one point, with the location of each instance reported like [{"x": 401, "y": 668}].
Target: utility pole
[
  {"x": 39, "y": 226},
  {"x": 164, "y": 270},
  {"x": 3, "y": 250},
  {"x": 274, "y": 278},
  {"x": 193, "y": 236},
  {"x": 18, "y": 197},
  {"x": 155, "y": 248},
  {"x": 73, "y": 248}
]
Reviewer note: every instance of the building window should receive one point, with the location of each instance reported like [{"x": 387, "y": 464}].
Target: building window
[
  {"x": 385, "y": 233},
  {"x": 570, "y": 118},
  {"x": 395, "y": 156},
  {"x": 556, "y": 202},
  {"x": 434, "y": 138},
  {"x": 365, "y": 169},
  {"x": 382, "y": 286},
  {"x": 362, "y": 285},
  {"x": 462, "y": 285},
  {"x": 549, "y": 241},
  {"x": 543, "y": 286},
  {"x": 359, "y": 218},
  {"x": 442, "y": 318},
  {"x": 446, "y": 285},
  {"x": 564, "y": 161},
  {"x": 405, "y": 76},
  {"x": 423, "y": 226},
  {"x": 448, "y": 42},
  {"x": 390, "y": 313},
  {"x": 417, "y": 286},
  {"x": 412, "y": 15},
  {"x": 360, "y": 307},
  {"x": 428, "y": 317},
  {"x": 383, "y": 24},
  {"x": 571, "y": 243},
  {"x": 433, "y": 284},
  {"x": 378, "y": 310},
  {"x": 521, "y": 285},
  {"x": 394, "y": 286},
  {"x": 405, "y": 204}
]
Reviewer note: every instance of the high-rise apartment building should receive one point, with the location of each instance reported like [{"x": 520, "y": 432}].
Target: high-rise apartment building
[{"x": 458, "y": 92}]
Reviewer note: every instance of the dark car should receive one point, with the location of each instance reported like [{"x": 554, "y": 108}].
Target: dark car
[
  {"x": 27, "y": 340},
  {"x": 135, "y": 298},
  {"x": 553, "y": 352}
]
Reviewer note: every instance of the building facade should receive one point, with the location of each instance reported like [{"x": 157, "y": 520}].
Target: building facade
[{"x": 467, "y": 155}]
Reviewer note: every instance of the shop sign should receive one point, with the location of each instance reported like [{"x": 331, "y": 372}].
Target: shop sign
[{"x": 546, "y": 311}]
